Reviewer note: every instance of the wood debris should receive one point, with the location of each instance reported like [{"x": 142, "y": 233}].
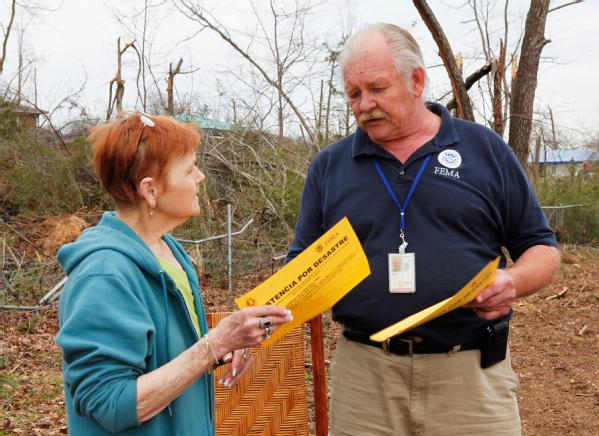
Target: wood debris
[{"x": 558, "y": 295}]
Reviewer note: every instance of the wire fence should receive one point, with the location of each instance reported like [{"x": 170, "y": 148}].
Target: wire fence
[
  {"x": 555, "y": 214},
  {"x": 220, "y": 258}
]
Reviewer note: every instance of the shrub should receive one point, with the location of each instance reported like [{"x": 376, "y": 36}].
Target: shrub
[
  {"x": 580, "y": 224},
  {"x": 42, "y": 177}
]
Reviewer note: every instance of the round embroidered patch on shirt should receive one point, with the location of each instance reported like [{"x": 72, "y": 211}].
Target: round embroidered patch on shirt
[{"x": 450, "y": 159}]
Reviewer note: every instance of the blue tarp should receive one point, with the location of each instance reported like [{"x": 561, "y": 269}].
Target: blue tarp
[
  {"x": 205, "y": 123},
  {"x": 573, "y": 155}
]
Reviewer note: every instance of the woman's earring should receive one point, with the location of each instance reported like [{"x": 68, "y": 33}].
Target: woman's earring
[{"x": 151, "y": 211}]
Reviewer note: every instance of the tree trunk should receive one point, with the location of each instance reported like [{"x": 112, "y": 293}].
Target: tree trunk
[
  {"x": 525, "y": 82},
  {"x": 498, "y": 121},
  {"x": 170, "y": 80},
  {"x": 327, "y": 118},
  {"x": 319, "y": 112},
  {"x": 463, "y": 104},
  {"x": 118, "y": 81},
  {"x": 6, "y": 34},
  {"x": 553, "y": 136}
]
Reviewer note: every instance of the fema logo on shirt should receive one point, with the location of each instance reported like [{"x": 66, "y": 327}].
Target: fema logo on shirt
[{"x": 451, "y": 160}]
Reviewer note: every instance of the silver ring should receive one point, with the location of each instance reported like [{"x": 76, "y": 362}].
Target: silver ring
[
  {"x": 265, "y": 321},
  {"x": 267, "y": 332}
]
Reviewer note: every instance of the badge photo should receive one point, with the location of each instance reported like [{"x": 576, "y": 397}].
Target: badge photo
[{"x": 450, "y": 159}]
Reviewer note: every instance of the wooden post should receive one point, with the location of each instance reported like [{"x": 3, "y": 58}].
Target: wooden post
[{"x": 320, "y": 376}]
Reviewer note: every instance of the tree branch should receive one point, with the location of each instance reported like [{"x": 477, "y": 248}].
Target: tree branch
[
  {"x": 197, "y": 15},
  {"x": 7, "y": 33},
  {"x": 460, "y": 93},
  {"x": 471, "y": 80},
  {"x": 564, "y": 5}
]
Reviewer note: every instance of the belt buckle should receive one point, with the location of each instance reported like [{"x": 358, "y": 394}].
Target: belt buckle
[{"x": 410, "y": 340}]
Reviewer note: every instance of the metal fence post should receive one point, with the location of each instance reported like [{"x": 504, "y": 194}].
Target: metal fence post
[{"x": 229, "y": 248}]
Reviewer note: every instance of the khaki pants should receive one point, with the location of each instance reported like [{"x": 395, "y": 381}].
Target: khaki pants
[{"x": 374, "y": 393}]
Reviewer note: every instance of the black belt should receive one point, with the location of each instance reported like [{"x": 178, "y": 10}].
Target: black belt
[{"x": 408, "y": 345}]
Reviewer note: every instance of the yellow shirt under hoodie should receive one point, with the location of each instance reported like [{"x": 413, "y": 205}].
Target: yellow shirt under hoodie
[{"x": 182, "y": 282}]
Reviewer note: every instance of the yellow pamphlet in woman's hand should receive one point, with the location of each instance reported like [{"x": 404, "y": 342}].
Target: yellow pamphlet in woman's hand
[{"x": 315, "y": 280}]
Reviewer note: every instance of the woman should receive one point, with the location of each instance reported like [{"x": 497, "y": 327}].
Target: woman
[{"x": 137, "y": 352}]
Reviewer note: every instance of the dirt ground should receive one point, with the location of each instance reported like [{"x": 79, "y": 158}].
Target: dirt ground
[{"x": 554, "y": 343}]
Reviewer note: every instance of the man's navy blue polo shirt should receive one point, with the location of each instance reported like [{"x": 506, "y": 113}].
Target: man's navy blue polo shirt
[{"x": 459, "y": 217}]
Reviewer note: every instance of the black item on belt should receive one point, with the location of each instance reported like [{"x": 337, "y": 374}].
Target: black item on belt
[{"x": 408, "y": 345}]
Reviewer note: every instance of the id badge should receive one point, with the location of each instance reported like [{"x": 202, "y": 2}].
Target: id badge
[{"x": 402, "y": 273}]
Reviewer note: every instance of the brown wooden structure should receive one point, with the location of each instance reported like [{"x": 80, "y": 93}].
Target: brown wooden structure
[{"x": 271, "y": 397}]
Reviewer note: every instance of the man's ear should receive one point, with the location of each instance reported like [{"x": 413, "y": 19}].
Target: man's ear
[
  {"x": 147, "y": 191},
  {"x": 418, "y": 81}
]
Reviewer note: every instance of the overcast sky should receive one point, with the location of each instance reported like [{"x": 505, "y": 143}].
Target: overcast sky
[{"x": 77, "y": 43}]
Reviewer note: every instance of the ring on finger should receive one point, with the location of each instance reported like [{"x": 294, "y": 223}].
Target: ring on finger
[
  {"x": 244, "y": 355},
  {"x": 267, "y": 321},
  {"x": 267, "y": 332}
]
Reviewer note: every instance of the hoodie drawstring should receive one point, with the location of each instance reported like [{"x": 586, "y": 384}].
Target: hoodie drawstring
[{"x": 165, "y": 303}]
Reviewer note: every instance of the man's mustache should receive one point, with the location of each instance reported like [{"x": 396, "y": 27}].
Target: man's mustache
[{"x": 375, "y": 114}]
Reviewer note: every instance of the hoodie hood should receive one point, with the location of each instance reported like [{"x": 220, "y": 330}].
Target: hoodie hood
[{"x": 113, "y": 234}]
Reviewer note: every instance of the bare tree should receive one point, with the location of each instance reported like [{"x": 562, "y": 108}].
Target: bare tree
[
  {"x": 525, "y": 82},
  {"x": 460, "y": 94},
  {"x": 141, "y": 25},
  {"x": 524, "y": 72},
  {"x": 333, "y": 60},
  {"x": 117, "y": 82},
  {"x": 6, "y": 33},
  {"x": 170, "y": 105},
  {"x": 284, "y": 52},
  {"x": 498, "y": 83}
]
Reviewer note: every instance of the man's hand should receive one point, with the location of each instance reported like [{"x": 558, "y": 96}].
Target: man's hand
[{"x": 496, "y": 299}]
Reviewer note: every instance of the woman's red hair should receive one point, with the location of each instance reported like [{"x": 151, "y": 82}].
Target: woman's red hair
[{"x": 125, "y": 151}]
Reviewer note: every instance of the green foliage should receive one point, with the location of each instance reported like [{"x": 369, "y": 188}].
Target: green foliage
[
  {"x": 260, "y": 175},
  {"x": 262, "y": 178},
  {"x": 46, "y": 177},
  {"x": 580, "y": 224},
  {"x": 8, "y": 383}
]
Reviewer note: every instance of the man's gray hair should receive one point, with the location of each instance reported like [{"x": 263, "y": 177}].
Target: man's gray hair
[{"x": 404, "y": 48}]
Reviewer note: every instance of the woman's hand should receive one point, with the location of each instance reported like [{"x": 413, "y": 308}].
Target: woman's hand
[
  {"x": 241, "y": 330},
  {"x": 241, "y": 361},
  {"x": 246, "y": 328}
]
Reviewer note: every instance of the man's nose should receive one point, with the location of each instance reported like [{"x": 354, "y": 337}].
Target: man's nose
[{"x": 367, "y": 103}]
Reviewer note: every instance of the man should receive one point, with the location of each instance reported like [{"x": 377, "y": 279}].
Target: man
[{"x": 432, "y": 199}]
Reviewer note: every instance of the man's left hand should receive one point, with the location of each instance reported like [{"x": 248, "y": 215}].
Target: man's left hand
[{"x": 496, "y": 299}]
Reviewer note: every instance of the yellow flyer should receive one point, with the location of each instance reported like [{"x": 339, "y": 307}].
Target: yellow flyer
[
  {"x": 315, "y": 280},
  {"x": 465, "y": 295}
]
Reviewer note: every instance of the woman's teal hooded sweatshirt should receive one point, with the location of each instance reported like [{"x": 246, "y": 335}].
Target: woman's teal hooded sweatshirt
[{"x": 122, "y": 316}]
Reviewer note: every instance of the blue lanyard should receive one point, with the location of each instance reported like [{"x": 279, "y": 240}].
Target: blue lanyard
[{"x": 410, "y": 192}]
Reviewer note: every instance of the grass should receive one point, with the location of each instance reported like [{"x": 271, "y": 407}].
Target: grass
[
  {"x": 8, "y": 384},
  {"x": 580, "y": 224}
]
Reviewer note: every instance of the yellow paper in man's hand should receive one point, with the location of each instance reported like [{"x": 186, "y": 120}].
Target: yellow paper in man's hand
[
  {"x": 484, "y": 278},
  {"x": 315, "y": 280}
]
